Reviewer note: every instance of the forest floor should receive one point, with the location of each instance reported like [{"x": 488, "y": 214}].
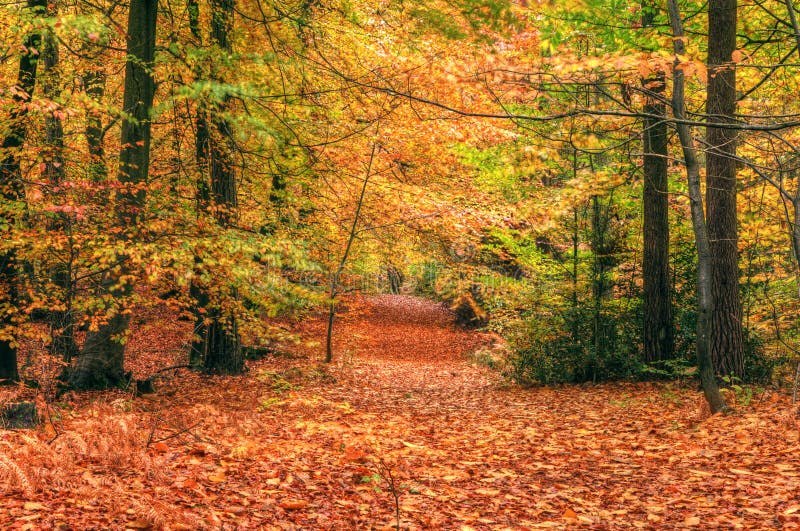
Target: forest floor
[{"x": 404, "y": 428}]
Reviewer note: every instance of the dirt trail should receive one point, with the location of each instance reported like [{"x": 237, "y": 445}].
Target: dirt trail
[{"x": 402, "y": 410}]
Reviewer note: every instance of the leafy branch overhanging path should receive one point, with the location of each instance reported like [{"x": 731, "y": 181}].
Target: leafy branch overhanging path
[{"x": 296, "y": 445}]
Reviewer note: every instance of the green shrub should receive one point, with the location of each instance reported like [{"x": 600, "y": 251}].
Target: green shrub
[{"x": 562, "y": 361}]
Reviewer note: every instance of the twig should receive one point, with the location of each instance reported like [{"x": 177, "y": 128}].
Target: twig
[
  {"x": 165, "y": 369},
  {"x": 385, "y": 472},
  {"x": 181, "y": 431}
]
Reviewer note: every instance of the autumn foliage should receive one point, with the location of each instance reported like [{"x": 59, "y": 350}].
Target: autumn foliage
[{"x": 495, "y": 221}]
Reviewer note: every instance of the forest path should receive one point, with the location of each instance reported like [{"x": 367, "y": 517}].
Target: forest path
[
  {"x": 402, "y": 410},
  {"x": 473, "y": 452}
]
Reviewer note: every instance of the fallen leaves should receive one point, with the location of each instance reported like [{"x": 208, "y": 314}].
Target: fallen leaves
[
  {"x": 463, "y": 451},
  {"x": 34, "y": 506},
  {"x": 293, "y": 505}
]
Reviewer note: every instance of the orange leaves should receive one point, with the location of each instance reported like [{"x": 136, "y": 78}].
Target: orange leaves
[
  {"x": 160, "y": 447},
  {"x": 355, "y": 455},
  {"x": 218, "y": 476},
  {"x": 293, "y": 505},
  {"x": 466, "y": 451}
]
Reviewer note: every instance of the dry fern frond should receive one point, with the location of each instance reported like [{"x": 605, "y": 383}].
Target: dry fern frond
[
  {"x": 153, "y": 511},
  {"x": 13, "y": 476},
  {"x": 72, "y": 442}
]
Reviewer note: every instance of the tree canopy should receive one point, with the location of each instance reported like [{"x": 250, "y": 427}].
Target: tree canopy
[{"x": 525, "y": 162}]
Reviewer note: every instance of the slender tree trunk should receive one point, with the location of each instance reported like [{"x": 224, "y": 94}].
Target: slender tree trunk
[
  {"x": 334, "y": 286},
  {"x": 197, "y": 292},
  {"x": 13, "y": 196},
  {"x": 727, "y": 350},
  {"x": 62, "y": 319},
  {"x": 658, "y": 333},
  {"x": 216, "y": 346},
  {"x": 599, "y": 277},
  {"x": 94, "y": 82},
  {"x": 704, "y": 302},
  {"x": 575, "y": 320},
  {"x": 101, "y": 361}
]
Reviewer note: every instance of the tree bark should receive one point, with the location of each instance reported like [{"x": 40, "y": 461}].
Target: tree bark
[
  {"x": 13, "y": 195},
  {"x": 94, "y": 82},
  {"x": 658, "y": 332},
  {"x": 727, "y": 347},
  {"x": 62, "y": 319},
  {"x": 217, "y": 346},
  {"x": 704, "y": 301},
  {"x": 101, "y": 361}
]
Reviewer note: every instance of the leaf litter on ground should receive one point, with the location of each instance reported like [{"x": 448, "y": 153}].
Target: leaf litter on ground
[{"x": 403, "y": 422}]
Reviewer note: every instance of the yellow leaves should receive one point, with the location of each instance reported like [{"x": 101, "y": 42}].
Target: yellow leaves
[
  {"x": 692, "y": 521},
  {"x": 34, "y": 506},
  {"x": 218, "y": 476}
]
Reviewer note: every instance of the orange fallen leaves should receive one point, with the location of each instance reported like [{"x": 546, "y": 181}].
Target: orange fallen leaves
[
  {"x": 355, "y": 455},
  {"x": 294, "y": 505},
  {"x": 569, "y": 514},
  {"x": 34, "y": 506},
  {"x": 464, "y": 449},
  {"x": 160, "y": 447}
]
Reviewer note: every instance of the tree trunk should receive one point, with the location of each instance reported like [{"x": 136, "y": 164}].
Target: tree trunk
[
  {"x": 101, "y": 361},
  {"x": 13, "y": 195},
  {"x": 704, "y": 302},
  {"x": 62, "y": 320},
  {"x": 217, "y": 347},
  {"x": 727, "y": 350},
  {"x": 333, "y": 290},
  {"x": 94, "y": 82},
  {"x": 600, "y": 281},
  {"x": 658, "y": 333}
]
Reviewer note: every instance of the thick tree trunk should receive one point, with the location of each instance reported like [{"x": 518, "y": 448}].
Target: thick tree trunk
[
  {"x": 704, "y": 302},
  {"x": 727, "y": 349},
  {"x": 658, "y": 331},
  {"x": 101, "y": 361},
  {"x": 222, "y": 353},
  {"x": 13, "y": 195}
]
